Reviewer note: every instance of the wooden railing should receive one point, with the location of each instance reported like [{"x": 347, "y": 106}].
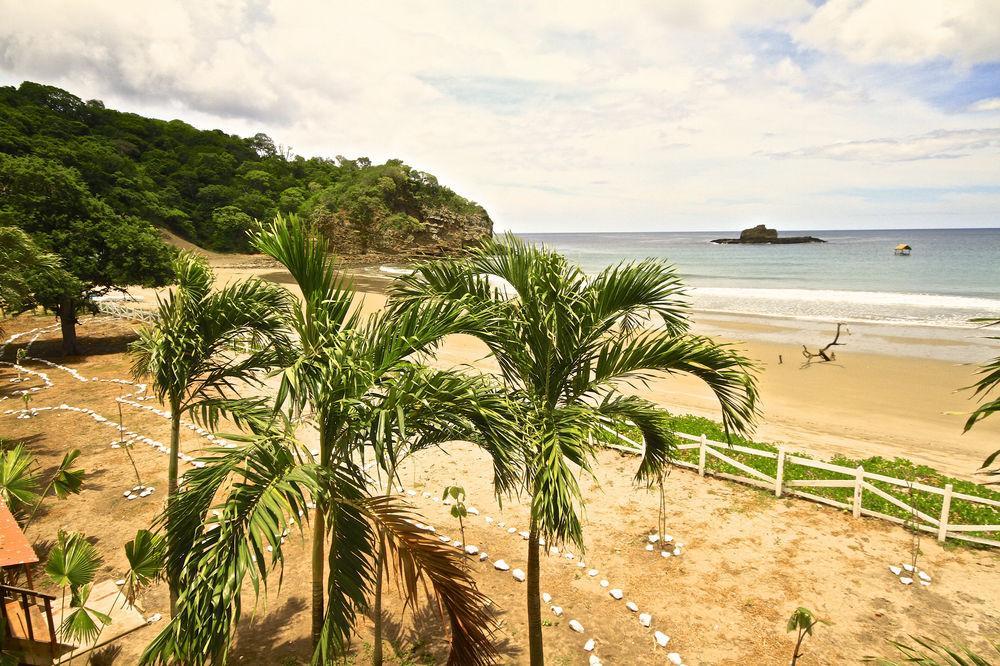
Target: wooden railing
[
  {"x": 123, "y": 311},
  {"x": 22, "y": 626},
  {"x": 857, "y": 478}
]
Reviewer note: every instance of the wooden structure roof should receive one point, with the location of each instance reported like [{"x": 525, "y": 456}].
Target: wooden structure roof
[{"x": 14, "y": 547}]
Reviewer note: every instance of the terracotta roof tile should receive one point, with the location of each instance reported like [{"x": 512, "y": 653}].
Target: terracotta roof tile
[{"x": 14, "y": 547}]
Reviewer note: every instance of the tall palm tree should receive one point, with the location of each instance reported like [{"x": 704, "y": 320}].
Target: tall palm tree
[
  {"x": 341, "y": 372},
  {"x": 205, "y": 346},
  {"x": 566, "y": 344}
]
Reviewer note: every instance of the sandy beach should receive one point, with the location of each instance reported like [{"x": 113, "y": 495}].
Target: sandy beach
[
  {"x": 746, "y": 560},
  {"x": 892, "y": 391}
]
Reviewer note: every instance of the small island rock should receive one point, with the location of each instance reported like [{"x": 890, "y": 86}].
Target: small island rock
[{"x": 761, "y": 235}]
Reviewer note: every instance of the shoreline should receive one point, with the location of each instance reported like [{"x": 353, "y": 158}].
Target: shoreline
[
  {"x": 865, "y": 403},
  {"x": 892, "y": 392}
]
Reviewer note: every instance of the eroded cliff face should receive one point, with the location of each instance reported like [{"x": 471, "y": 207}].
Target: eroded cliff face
[{"x": 438, "y": 232}]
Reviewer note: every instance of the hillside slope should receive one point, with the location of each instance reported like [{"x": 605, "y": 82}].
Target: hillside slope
[{"x": 207, "y": 186}]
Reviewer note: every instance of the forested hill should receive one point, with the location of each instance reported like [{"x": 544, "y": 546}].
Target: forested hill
[{"x": 208, "y": 186}]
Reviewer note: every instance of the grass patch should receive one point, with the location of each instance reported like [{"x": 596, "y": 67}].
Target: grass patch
[{"x": 962, "y": 511}]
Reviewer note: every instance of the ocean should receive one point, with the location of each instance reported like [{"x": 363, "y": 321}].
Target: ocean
[{"x": 951, "y": 276}]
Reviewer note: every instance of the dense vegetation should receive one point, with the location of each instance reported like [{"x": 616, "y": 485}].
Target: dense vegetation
[
  {"x": 91, "y": 185},
  {"x": 207, "y": 185}
]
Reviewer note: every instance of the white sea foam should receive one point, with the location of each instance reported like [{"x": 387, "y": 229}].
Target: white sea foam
[
  {"x": 864, "y": 306},
  {"x": 394, "y": 270}
]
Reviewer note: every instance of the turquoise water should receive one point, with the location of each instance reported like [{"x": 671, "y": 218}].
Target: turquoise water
[{"x": 951, "y": 276}]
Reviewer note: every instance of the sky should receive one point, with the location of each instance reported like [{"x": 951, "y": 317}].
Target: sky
[{"x": 577, "y": 116}]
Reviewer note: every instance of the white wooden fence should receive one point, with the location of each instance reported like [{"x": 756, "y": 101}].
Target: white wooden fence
[
  {"x": 123, "y": 311},
  {"x": 858, "y": 479}
]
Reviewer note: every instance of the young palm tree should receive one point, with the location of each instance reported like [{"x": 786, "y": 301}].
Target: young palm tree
[
  {"x": 340, "y": 363},
  {"x": 565, "y": 345},
  {"x": 72, "y": 565},
  {"x": 205, "y": 346}
]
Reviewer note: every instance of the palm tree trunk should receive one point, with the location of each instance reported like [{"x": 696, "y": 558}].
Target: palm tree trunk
[
  {"x": 377, "y": 619},
  {"x": 318, "y": 553},
  {"x": 536, "y": 656},
  {"x": 319, "y": 544},
  {"x": 175, "y": 448}
]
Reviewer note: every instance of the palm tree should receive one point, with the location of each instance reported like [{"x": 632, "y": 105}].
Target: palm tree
[
  {"x": 565, "y": 345},
  {"x": 356, "y": 379},
  {"x": 340, "y": 361},
  {"x": 205, "y": 346},
  {"x": 989, "y": 381},
  {"x": 72, "y": 565}
]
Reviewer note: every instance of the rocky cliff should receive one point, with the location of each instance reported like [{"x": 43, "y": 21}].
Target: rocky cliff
[{"x": 437, "y": 232}]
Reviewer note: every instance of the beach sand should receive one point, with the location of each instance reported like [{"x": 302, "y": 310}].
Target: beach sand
[
  {"x": 892, "y": 391},
  {"x": 747, "y": 560},
  {"x": 863, "y": 404}
]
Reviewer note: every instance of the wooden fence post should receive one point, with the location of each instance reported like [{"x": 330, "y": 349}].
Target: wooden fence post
[
  {"x": 859, "y": 479},
  {"x": 779, "y": 476},
  {"x": 945, "y": 511},
  {"x": 701, "y": 456}
]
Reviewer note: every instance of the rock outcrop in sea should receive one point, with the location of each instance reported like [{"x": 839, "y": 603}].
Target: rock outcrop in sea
[{"x": 761, "y": 235}]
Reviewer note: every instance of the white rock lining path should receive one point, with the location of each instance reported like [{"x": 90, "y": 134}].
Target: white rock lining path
[
  {"x": 660, "y": 639},
  {"x": 133, "y": 399}
]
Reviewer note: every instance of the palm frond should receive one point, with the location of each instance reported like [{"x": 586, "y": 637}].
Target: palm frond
[
  {"x": 726, "y": 372},
  {"x": 67, "y": 481},
  {"x": 73, "y": 561},
  {"x": 416, "y": 555},
  {"x": 146, "y": 555},
  {"x": 268, "y": 485},
  {"x": 19, "y": 485},
  {"x": 654, "y": 424},
  {"x": 929, "y": 652},
  {"x": 624, "y": 293}
]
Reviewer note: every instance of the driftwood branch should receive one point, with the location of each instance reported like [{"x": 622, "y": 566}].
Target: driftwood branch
[{"x": 824, "y": 355}]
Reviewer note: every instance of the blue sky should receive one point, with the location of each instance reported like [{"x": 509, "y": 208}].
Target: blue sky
[{"x": 579, "y": 116}]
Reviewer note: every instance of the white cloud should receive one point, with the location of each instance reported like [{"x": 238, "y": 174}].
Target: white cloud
[
  {"x": 906, "y": 31},
  {"x": 937, "y": 145},
  {"x": 554, "y": 115},
  {"x": 990, "y": 104}
]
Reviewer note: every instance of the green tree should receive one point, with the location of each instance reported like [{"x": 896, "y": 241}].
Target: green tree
[
  {"x": 19, "y": 256},
  {"x": 565, "y": 344},
  {"x": 205, "y": 347},
  {"x": 230, "y": 229},
  {"x": 98, "y": 249}
]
